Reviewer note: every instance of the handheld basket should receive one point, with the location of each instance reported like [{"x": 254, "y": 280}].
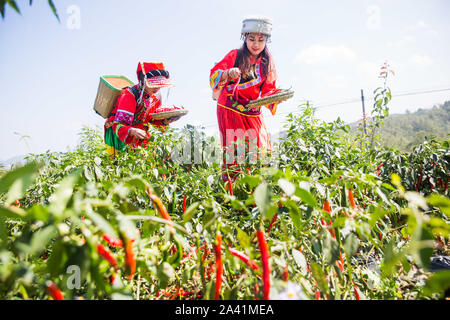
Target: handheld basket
[
  {"x": 168, "y": 114},
  {"x": 108, "y": 91},
  {"x": 283, "y": 95}
]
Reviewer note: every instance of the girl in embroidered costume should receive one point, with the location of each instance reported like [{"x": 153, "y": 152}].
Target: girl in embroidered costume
[
  {"x": 243, "y": 75},
  {"x": 128, "y": 123}
]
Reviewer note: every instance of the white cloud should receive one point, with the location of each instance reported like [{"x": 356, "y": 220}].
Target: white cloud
[
  {"x": 331, "y": 80},
  {"x": 368, "y": 69},
  {"x": 422, "y": 26},
  {"x": 317, "y": 53},
  {"x": 404, "y": 41},
  {"x": 421, "y": 60}
]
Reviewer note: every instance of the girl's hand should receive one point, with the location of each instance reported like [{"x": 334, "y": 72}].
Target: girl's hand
[
  {"x": 234, "y": 73},
  {"x": 138, "y": 133}
]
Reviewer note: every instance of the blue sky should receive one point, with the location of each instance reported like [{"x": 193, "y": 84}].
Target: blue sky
[{"x": 326, "y": 50}]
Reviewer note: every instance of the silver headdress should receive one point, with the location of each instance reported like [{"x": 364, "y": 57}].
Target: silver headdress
[{"x": 256, "y": 24}]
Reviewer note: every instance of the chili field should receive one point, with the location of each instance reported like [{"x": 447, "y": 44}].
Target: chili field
[{"x": 334, "y": 218}]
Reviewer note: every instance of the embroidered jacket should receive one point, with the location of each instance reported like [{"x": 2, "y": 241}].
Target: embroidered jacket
[
  {"x": 128, "y": 114},
  {"x": 249, "y": 88}
]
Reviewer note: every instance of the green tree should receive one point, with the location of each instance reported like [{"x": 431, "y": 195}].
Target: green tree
[{"x": 13, "y": 4}]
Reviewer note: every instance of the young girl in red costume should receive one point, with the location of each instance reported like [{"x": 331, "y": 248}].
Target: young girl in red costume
[
  {"x": 243, "y": 75},
  {"x": 128, "y": 123}
]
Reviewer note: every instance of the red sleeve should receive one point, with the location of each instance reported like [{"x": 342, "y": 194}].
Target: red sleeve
[
  {"x": 216, "y": 72},
  {"x": 267, "y": 89},
  {"x": 124, "y": 114}
]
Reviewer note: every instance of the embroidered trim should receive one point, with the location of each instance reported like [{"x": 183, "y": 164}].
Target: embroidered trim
[
  {"x": 247, "y": 115},
  {"x": 124, "y": 117},
  {"x": 215, "y": 79},
  {"x": 119, "y": 125},
  {"x": 251, "y": 83}
]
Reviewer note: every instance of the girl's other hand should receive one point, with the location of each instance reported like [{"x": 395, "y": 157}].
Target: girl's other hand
[
  {"x": 138, "y": 133},
  {"x": 234, "y": 73}
]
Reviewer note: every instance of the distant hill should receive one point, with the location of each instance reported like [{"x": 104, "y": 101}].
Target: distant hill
[{"x": 405, "y": 131}]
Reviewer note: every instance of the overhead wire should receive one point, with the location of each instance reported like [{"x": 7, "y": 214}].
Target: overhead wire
[{"x": 355, "y": 100}]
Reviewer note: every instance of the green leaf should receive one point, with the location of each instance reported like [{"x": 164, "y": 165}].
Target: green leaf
[
  {"x": 165, "y": 274},
  {"x": 39, "y": 212},
  {"x": 306, "y": 197},
  {"x": 16, "y": 182},
  {"x": 127, "y": 228},
  {"x": 252, "y": 181},
  {"x": 287, "y": 187},
  {"x": 41, "y": 238},
  {"x": 60, "y": 198},
  {"x": 56, "y": 261},
  {"x": 3, "y": 233},
  {"x": 300, "y": 260},
  {"x": 440, "y": 201},
  {"x": 190, "y": 211},
  {"x": 13, "y": 4},
  {"x": 13, "y": 213},
  {"x": 382, "y": 196},
  {"x": 319, "y": 275},
  {"x": 351, "y": 244},
  {"x": 424, "y": 252},
  {"x": 263, "y": 197},
  {"x": 243, "y": 238},
  {"x": 52, "y": 6},
  {"x": 330, "y": 249},
  {"x": 438, "y": 282},
  {"x": 101, "y": 223}
]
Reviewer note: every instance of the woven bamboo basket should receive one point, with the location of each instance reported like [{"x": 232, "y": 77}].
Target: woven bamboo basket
[
  {"x": 108, "y": 91},
  {"x": 275, "y": 98},
  {"x": 168, "y": 114}
]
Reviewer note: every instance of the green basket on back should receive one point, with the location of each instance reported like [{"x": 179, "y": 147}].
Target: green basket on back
[{"x": 108, "y": 91}]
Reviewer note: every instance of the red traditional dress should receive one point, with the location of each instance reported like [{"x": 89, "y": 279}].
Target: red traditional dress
[
  {"x": 236, "y": 121},
  {"x": 128, "y": 114}
]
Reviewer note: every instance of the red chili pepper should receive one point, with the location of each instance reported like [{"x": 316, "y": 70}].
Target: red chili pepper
[
  {"x": 106, "y": 254},
  {"x": 162, "y": 210},
  {"x": 184, "y": 204},
  {"x": 206, "y": 253},
  {"x": 167, "y": 158},
  {"x": 54, "y": 292},
  {"x": 112, "y": 241},
  {"x": 332, "y": 230},
  {"x": 285, "y": 274},
  {"x": 244, "y": 258},
  {"x": 230, "y": 185},
  {"x": 272, "y": 222},
  {"x": 378, "y": 169},
  {"x": 219, "y": 265},
  {"x": 355, "y": 288},
  {"x": 130, "y": 259},
  {"x": 164, "y": 176},
  {"x": 341, "y": 262},
  {"x": 326, "y": 206},
  {"x": 317, "y": 295},
  {"x": 265, "y": 262},
  {"x": 351, "y": 199}
]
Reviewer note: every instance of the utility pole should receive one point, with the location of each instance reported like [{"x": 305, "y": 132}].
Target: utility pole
[{"x": 364, "y": 111}]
